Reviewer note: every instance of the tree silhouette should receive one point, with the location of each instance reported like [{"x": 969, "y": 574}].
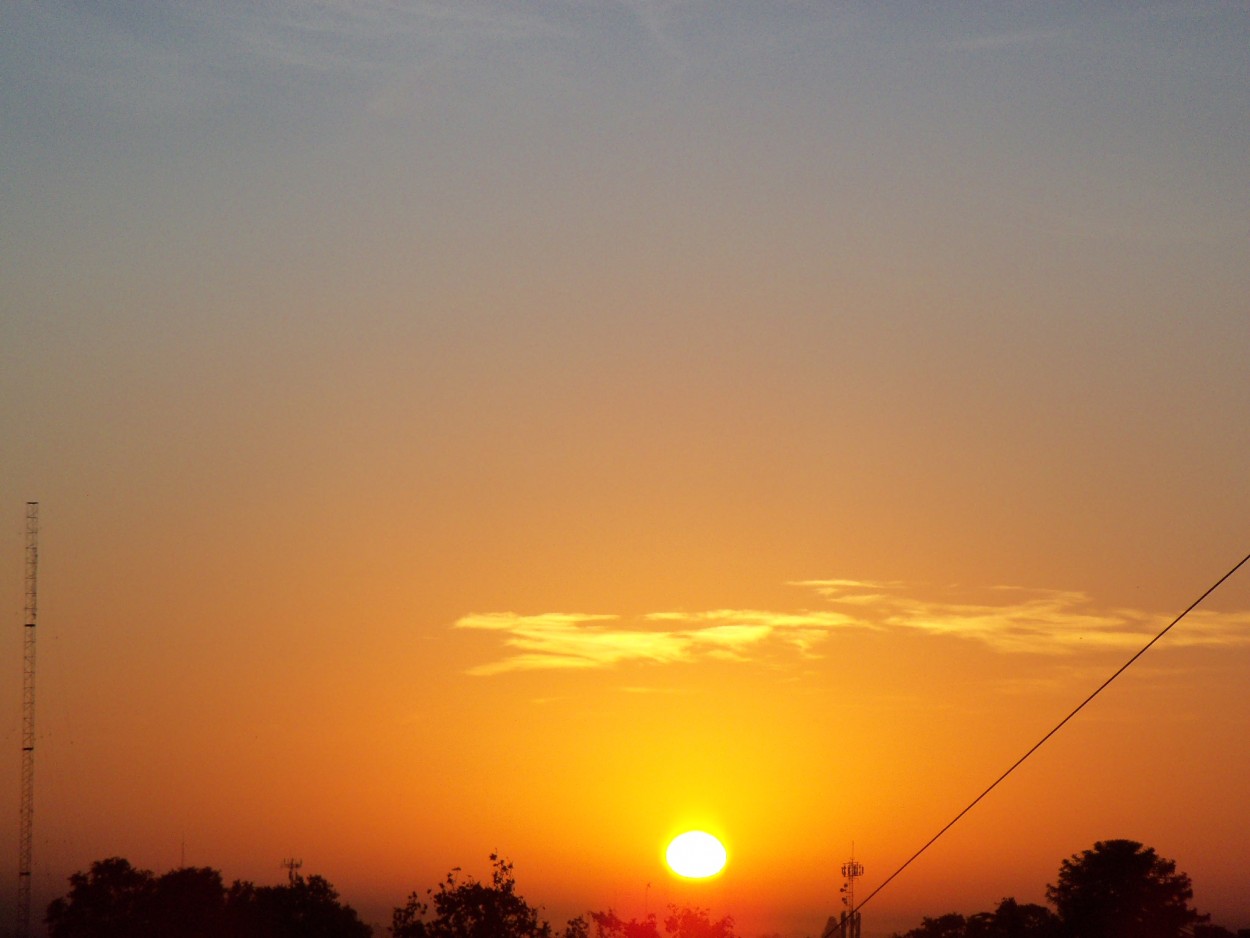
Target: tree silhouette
[
  {"x": 468, "y": 908},
  {"x": 1013, "y": 920},
  {"x": 610, "y": 925},
  {"x": 1120, "y": 889},
  {"x": 951, "y": 925},
  {"x": 696, "y": 923},
  {"x": 187, "y": 903},
  {"x": 684, "y": 922},
  {"x": 304, "y": 908},
  {"x": 471, "y": 909},
  {"x": 108, "y": 901},
  {"x": 1010, "y": 920},
  {"x": 115, "y": 900}
]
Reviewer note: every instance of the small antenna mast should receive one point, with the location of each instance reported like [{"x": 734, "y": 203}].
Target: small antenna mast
[{"x": 292, "y": 870}]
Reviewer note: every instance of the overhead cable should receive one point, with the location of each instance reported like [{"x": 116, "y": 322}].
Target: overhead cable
[{"x": 1058, "y": 726}]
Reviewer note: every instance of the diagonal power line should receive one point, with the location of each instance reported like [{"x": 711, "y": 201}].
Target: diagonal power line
[{"x": 1058, "y": 726}]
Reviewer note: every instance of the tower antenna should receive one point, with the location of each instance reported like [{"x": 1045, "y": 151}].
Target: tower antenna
[
  {"x": 292, "y": 870},
  {"x": 25, "y": 838},
  {"x": 852, "y": 869},
  {"x": 847, "y": 925}
]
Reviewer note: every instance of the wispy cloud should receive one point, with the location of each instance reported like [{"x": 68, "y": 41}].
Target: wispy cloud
[
  {"x": 574, "y": 640},
  {"x": 1007, "y": 619},
  {"x": 1017, "y": 619},
  {"x": 182, "y": 53},
  {"x": 1009, "y": 40},
  {"x": 653, "y": 17}
]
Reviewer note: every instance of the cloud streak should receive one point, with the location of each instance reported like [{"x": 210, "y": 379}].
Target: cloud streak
[
  {"x": 559, "y": 641},
  {"x": 1010, "y": 620}
]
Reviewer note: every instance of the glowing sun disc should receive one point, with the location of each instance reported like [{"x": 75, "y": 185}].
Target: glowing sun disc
[{"x": 695, "y": 855}]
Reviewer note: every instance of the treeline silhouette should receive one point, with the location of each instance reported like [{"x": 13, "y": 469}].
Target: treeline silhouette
[
  {"x": 115, "y": 900},
  {"x": 1117, "y": 889}
]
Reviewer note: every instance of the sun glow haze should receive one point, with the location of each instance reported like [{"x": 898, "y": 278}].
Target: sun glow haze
[
  {"x": 696, "y": 855},
  {"x": 605, "y": 421}
]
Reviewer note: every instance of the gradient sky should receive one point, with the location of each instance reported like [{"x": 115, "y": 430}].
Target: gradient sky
[{"x": 544, "y": 427}]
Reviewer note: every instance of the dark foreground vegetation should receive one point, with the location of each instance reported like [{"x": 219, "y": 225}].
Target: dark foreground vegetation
[
  {"x": 115, "y": 900},
  {"x": 1117, "y": 889}
]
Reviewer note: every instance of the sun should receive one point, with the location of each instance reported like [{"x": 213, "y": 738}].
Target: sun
[{"x": 695, "y": 855}]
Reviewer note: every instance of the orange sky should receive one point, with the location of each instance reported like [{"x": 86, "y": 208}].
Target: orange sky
[{"x": 459, "y": 429}]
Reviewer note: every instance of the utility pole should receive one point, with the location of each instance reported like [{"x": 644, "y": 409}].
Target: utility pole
[{"x": 25, "y": 838}]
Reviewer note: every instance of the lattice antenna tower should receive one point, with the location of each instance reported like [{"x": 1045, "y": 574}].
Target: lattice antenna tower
[
  {"x": 847, "y": 924},
  {"x": 292, "y": 867},
  {"x": 852, "y": 869},
  {"x": 26, "y": 836}
]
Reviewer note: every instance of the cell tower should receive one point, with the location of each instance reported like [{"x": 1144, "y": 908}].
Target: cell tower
[
  {"x": 25, "y": 838},
  {"x": 847, "y": 925},
  {"x": 852, "y": 869},
  {"x": 292, "y": 870}
]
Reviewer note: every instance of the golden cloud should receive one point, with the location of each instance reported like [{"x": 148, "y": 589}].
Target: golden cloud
[{"x": 1006, "y": 619}]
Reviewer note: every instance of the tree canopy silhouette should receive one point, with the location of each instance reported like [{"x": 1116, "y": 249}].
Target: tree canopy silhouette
[
  {"x": 684, "y": 922},
  {"x": 115, "y": 900},
  {"x": 1120, "y": 889},
  {"x": 1015, "y": 920},
  {"x": 305, "y": 908},
  {"x": 108, "y": 901},
  {"x": 696, "y": 923},
  {"x": 1117, "y": 889},
  {"x": 610, "y": 925},
  {"x": 471, "y": 909},
  {"x": 1009, "y": 920}
]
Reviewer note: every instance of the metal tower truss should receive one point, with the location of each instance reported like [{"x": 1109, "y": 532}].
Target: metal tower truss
[{"x": 25, "y": 838}]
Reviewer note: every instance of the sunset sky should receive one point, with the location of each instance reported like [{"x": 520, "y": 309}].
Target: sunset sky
[{"x": 547, "y": 427}]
